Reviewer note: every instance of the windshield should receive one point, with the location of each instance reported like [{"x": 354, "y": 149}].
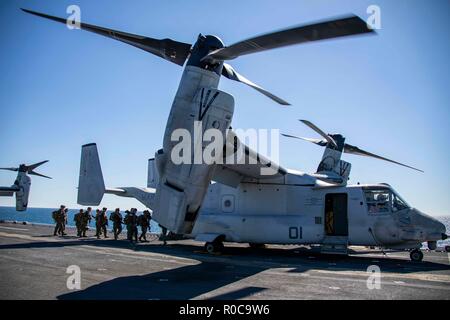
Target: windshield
[
  {"x": 383, "y": 200},
  {"x": 398, "y": 203}
]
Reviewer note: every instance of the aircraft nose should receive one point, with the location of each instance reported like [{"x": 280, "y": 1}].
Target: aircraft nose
[
  {"x": 438, "y": 228},
  {"x": 433, "y": 228},
  {"x": 442, "y": 227}
]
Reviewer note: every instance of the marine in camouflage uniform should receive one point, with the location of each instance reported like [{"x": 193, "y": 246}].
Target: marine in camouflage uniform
[
  {"x": 98, "y": 223},
  {"x": 144, "y": 222},
  {"x": 64, "y": 217},
  {"x": 78, "y": 219},
  {"x": 85, "y": 220},
  {"x": 104, "y": 221},
  {"x": 58, "y": 217},
  {"x": 116, "y": 218},
  {"x": 131, "y": 221}
]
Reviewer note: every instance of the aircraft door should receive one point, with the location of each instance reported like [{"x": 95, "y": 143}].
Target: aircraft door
[{"x": 336, "y": 220}]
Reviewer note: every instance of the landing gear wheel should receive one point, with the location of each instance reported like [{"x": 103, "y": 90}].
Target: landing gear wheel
[
  {"x": 214, "y": 247},
  {"x": 416, "y": 255}
]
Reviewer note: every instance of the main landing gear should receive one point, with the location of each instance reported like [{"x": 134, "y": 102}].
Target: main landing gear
[
  {"x": 416, "y": 255},
  {"x": 214, "y": 247}
]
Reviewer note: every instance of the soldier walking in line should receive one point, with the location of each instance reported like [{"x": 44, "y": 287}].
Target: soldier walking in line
[
  {"x": 64, "y": 217},
  {"x": 116, "y": 218},
  {"x": 85, "y": 221},
  {"x": 98, "y": 223},
  {"x": 104, "y": 221},
  {"x": 78, "y": 219},
  {"x": 58, "y": 216},
  {"x": 131, "y": 221},
  {"x": 144, "y": 222},
  {"x": 54, "y": 217}
]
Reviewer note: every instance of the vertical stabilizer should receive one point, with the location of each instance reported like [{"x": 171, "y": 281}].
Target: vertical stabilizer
[
  {"x": 332, "y": 154},
  {"x": 153, "y": 174},
  {"x": 91, "y": 186}
]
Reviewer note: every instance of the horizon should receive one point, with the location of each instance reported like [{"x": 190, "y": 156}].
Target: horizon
[{"x": 126, "y": 208}]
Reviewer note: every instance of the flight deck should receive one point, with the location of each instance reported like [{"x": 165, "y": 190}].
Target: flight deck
[{"x": 34, "y": 266}]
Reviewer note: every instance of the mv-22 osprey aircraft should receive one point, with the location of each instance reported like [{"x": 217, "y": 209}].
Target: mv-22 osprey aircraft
[
  {"x": 239, "y": 202},
  {"x": 22, "y": 184}
]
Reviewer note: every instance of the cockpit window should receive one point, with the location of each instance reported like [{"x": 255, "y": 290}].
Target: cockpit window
[
  {"x": 398, "y": 203},
  {"x": 383, "y": 200},
  {"x": 377, "y": 200}
]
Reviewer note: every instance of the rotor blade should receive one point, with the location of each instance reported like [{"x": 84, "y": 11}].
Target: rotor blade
[
  {"x": 10, "y": 169},
  {"x": 38, "y": 174},
  {"x": 323, "y": 134},
  {"x": 174, "y": 51},
  {"x": 350, "y": 25},
  {"x": 34, "y": 166},
  {"x": 357, "y": 151},
  {"x": 319, "y": 142},
  {"x": 231, "y": 74}
]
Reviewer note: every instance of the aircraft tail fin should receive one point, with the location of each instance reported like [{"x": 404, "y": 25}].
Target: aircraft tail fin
[
  {"x": 91, "y": 186},
  {"x": 332, "y": 154},
  {"x": 153, "y": 174},
  {"x": 343, "y": 170},
  {"x": 331, "y": 167}
]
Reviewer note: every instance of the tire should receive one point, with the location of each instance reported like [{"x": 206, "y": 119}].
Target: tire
[
  {"x": 416, "y": 255},
  {"x": 210, "y": 247},
  {"x": 214, "y": 247},
  {"x": 447, "y": 248}
]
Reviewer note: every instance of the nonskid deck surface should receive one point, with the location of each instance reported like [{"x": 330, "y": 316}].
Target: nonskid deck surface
[{"x": 34, "y": 264}]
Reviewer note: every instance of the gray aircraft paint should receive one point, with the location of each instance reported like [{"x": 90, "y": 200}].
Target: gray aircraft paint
[
  {"x": 22, "y": 184},
  {"x": 285, "y": 208}
]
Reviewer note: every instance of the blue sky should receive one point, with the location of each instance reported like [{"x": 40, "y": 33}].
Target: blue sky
[{"x": 388, "y": 94}]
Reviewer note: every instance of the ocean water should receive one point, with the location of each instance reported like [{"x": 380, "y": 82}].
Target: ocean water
[{"x": 44, "y": 216}]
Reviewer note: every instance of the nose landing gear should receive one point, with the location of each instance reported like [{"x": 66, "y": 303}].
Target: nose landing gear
[{"x": 416, "y": 255}]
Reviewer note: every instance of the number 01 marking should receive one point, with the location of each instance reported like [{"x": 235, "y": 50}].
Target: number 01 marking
[{"x": 295, "y": 233}]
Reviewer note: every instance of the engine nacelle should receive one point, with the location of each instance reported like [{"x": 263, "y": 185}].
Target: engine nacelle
[
  {"x": 24, "y": 183},
  {"x": 182, "y": 186}
]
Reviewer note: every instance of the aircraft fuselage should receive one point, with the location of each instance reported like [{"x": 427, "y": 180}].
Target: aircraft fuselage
[{"x": 301, "y": 213}]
